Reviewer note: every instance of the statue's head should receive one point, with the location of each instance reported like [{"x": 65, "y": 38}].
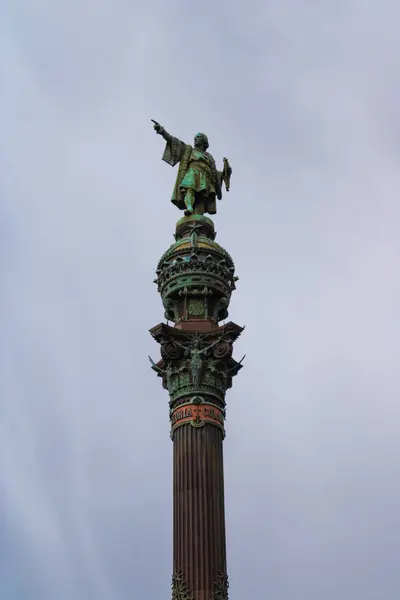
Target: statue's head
[
  {"x": 201, "y": 141},
  {"x": 196, "y": 342}
]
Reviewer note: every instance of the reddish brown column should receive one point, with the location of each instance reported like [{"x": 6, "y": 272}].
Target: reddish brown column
[{"x": 199, "y": 511}]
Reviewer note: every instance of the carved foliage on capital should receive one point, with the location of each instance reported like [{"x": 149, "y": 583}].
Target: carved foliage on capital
[{"x": 197, "y": 364}]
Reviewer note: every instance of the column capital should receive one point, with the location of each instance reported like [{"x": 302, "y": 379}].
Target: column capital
[{"x": 196, "y": 369}]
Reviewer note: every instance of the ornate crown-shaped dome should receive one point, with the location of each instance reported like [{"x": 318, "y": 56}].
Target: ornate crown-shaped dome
[{"x": 195, "y": 276}]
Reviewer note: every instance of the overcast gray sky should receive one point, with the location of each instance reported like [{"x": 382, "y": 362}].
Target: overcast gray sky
[{"x": 303, "y": 97}]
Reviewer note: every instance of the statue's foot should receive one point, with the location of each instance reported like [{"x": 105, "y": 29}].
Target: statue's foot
[{"x": 187, "y": 213}]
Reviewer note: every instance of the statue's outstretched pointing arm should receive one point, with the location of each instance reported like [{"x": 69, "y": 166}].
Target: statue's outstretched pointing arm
[
  {"x": 161, "y": 131},
  {"x": 175, "y": 148}
]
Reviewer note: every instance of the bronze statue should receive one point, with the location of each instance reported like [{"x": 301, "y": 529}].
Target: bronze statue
[{"x": 198, "y": 182}]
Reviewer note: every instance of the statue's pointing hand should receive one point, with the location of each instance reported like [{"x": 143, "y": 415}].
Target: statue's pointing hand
[{"x": 157, "y": 126}]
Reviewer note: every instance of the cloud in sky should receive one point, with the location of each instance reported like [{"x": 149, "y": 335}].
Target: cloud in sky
[{"x": 303, "y": 98}]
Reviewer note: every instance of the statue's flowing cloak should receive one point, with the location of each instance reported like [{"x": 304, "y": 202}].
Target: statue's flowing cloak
[{"x": 177, "y": 151}]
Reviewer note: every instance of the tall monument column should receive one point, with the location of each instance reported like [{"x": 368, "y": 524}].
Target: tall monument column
[{"x": 195, "y": 278}]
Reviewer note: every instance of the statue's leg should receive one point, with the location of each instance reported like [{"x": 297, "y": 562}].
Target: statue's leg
[
  {"x": 189, "y": 201},
  {"x": 199, "y": 205}
]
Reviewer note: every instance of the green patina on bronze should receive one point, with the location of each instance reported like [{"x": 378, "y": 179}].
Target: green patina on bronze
[
  {"x": 198, "y": 182},
  {"x": 221, "y": 587},
  {"x": 179, "y": 589},
  {"x": 195, "y": 364},
  {"x": 195, "y": 276}
]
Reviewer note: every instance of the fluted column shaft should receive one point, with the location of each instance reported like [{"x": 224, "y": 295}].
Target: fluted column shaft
[{"x": 198, "y": 504}]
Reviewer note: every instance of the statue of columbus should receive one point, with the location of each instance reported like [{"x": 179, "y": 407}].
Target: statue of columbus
[{"x": 198, "y": 181}]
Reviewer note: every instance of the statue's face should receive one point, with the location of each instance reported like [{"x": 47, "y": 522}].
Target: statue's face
[
  {"x": 196, "y": 343},
  {"x": 200, "y": 141}
]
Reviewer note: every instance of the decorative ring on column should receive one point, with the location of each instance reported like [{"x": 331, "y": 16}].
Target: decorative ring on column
[{"x": 197, "y": 415}]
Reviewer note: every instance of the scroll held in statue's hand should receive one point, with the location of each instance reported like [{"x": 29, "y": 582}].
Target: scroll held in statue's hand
[{"x": 226, "y": 174}]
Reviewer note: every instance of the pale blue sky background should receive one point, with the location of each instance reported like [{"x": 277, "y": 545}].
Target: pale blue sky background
[{"x": 303, "y": 97}]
